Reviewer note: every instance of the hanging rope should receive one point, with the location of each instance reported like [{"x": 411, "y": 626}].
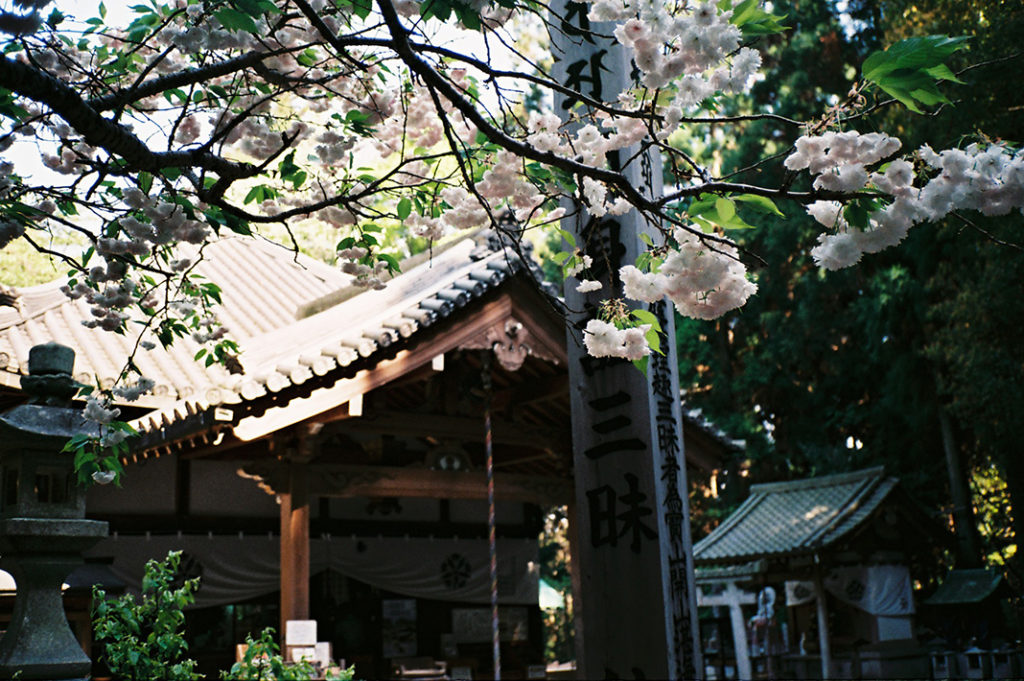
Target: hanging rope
[{"x": 492, "y": 543}]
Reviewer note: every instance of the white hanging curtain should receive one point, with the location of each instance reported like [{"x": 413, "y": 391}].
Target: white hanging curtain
[{"x": 234, "y": 569}]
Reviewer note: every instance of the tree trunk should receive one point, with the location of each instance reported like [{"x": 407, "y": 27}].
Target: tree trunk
[{"x": 968, "y": 548}]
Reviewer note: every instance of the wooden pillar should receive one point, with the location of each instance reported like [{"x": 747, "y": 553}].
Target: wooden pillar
[
  {"x": 734, "y": 597},
  {"x": 295, "y": 547},
  {"x": 824, "y": 642}
]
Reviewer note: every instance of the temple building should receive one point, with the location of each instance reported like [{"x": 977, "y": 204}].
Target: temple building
[{"x": 337, "y": 472}]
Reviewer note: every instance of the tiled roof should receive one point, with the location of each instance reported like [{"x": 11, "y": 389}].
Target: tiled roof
[
  {"x": 696, "y": 418},
  {"x": 372, "y": 320},
  {"x": 964, "y": 587},
  {"x": 798, "y": 517},
  {"x": 263, "y": 287},
  {"x": 266, "y": 292}
]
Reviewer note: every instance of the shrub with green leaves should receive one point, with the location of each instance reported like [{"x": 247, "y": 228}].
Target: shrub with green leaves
[
  {"x": 142, "y": 639},
  {"x": 262, "y": 662}
]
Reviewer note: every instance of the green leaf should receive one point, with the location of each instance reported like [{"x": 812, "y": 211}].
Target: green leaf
[
  {"x": 233, "y": 20},
  {"x": 308, "y": 58},
  {"x": 404, "y": 209},
  {"x": 362, "y": 8},
  {"x": 761, "y": 204},
  {"x": 910, "y": 70},
  {"x": 856, "y": 214},
  {"x": 653, "y": 338},
  {"x": 392, "y": 262},
  {"x": 646, "y": 317},
  {"x": 914, "y": 54},
  {"x": 752, "y": 20},
  {"x": 725, "y": 209},
  {"x": 567, "y": 237}
]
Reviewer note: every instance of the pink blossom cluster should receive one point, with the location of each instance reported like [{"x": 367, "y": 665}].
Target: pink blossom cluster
[
  {"x": 416, "y": 123},
  {"x": 109, "y": 301},
  {"x": 71, "y": 159},
  {"x": 209, "y": 329},
  {"x": 99, "y": 411},
  {"x": 504, "y": 181},
  {"x": 703, "y": 281},
  {"x": 696, "y": 46},
  {"x": 604, "y": 339},
  {"x": 987, "y": 178},
  {"x": 200, "y": 32},
  {"x": 839, "y": 159},
  {"x": 152, "y": 223},
  {"x": 130, "y": 393},
  {"x": 9, "y": 231},
  {"x": 366, "y": 276},
  {"x": 466, "y": 211}
]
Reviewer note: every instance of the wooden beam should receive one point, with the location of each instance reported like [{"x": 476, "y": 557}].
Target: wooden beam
[
  {"x": 734, "y": 598},
  {"x": 528, "y": 393},
  {"x": 386, "y": 371},
  {"x": 459, "y": 428},
  {"x": 383, "y": 481}
]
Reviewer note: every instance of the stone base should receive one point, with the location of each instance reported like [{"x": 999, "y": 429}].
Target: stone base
[{"x": 40, "y": 554}]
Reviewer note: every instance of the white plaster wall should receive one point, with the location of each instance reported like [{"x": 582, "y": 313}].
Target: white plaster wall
[
  {"x": 147, "y": 487},
  {"x": 216, "y": 489}
]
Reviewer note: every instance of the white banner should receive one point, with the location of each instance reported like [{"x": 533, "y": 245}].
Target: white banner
[
  {"x": 236, "y": 568},
  {"x": 883, "y": 590},
  {"x": 798, "y": 593}
]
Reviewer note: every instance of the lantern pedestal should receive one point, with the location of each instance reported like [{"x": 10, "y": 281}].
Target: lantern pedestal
[{"x": 40, "y": 554}]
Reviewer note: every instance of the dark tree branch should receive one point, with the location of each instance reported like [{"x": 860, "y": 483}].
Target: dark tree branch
[{"x": 103, "y": 133}]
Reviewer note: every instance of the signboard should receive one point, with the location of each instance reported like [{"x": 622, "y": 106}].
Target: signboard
[
  {"x": 398, "y": 627},
  {"x": 638, "y": 610}
]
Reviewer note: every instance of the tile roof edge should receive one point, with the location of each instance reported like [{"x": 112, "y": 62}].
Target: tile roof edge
[
  {"x": 53, "y": 287},
  {"x": 817, "y": 481}
]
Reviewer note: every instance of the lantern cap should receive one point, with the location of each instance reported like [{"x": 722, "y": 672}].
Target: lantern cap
[{"x": 49, "y": 378}]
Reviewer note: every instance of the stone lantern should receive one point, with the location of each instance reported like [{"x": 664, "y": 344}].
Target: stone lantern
[{"x": 43, "y": 530}]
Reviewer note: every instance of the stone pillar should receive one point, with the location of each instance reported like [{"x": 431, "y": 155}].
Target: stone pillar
[
  {"x": 42, "y": 527},
  {"x": 821, "y": 608},
  {"x": 639, "y": 616}
]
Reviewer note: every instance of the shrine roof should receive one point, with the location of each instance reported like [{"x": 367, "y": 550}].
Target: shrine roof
[
  {"x": 965, "y": 587},
  {"x": 295, "y": 319},
  {"x": 263, "y": 286},
  {"x": 797, "y": 517}
]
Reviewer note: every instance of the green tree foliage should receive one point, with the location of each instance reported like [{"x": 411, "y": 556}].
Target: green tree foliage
[
  {"x": 826, "y": 372},
  {"x": 553, "y": 556}
]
